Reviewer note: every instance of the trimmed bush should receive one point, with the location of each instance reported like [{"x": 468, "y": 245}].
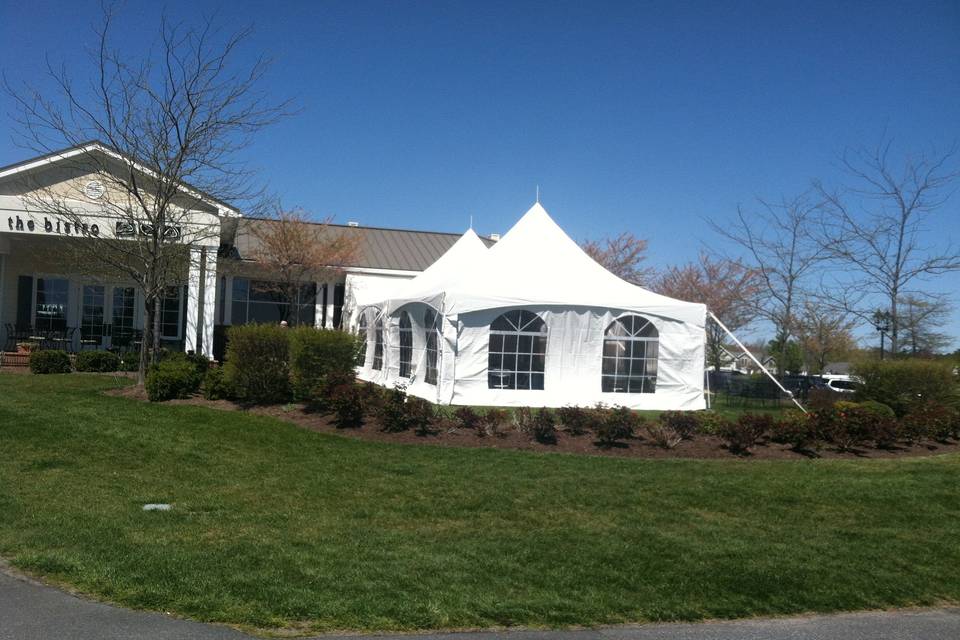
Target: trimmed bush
[
  {"x": 683, "y": 423},
  {"x": 523, "y": 419},
  {"x": 904, "y": 384},
  {"x": 172, "y": 378},
  {"x": 467, "y": 418},
  {"x": 574, "y": 420},
  {"x": 346, "y": 400},
  {"x": 316, "y": 354},
  {"x": 709, "y": 422},
  {"x": 401, "y": 412},
  {"x": 614, "y": 425},
  {"x": 931, "y": 421},
  {"x": 98, "y": 361},
  {"x": 799, "y": 430},
  {"x": 493, "y": 420},
  {"x": 746, "y": 432},
  {"x": 214, "y": 385},
  {"x": 544, "y": 427},
  {"x": 663, "y": 434},
  {"x": 49, "y": 361},
  {"x": 257, "y": 363}
]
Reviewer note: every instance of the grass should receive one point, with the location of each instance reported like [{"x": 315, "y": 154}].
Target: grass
[{"x": 274, "y": 526}]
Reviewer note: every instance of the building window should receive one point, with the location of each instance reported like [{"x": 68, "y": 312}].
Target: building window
[
  {"x": 517, "y": 351},
  {"x": 406, "y": 344},
  {"x": 630, "y": 346},
  {"x": 92, "y": 313},
  {"x": 171, "y": 304},
  {"x": 363, "y": 332},
  {"x": 432, "y": 325},
  {"x": 266, "y": 302},
  {"x": 51, "y": 307},
  {"x": 377, "y": 345}
]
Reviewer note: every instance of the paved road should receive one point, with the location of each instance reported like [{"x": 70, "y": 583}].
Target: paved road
[{"x": 31, "y": 611}]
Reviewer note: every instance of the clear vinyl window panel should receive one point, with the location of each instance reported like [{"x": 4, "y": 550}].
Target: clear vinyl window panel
[
  {"x": 432, "y": 326},
  {"x": 516, "y": 355},
  {"x": 377, "y": 345},
  {"x": 406, "y": 345},
  {"x": 630, "y": 348},
  {"x": 363, "y": 332}
]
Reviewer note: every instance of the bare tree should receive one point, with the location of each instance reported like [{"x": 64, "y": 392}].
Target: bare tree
[
  {"x": 291, "y": 251},
  {"x": 873, "y": 229},
  {"x": 170, "y": 124},
  {"x": 920, "y": 319},
  {"x": 777, "y": 239},
  {"x": 621, "y": 256},
  {"x": 825, "y": 335},
  {"x": 728, "y": 288}
]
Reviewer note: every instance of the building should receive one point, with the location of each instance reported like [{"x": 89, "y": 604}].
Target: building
[{"x": 48, "y": 298}]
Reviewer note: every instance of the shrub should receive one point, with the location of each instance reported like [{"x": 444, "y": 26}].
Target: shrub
[
  {"x": 684, "y": 423},
  {"x": 467, "y": 418},
  {"x": 257, "y": 368},
  {"x": 879, "y": 408},
  {"x": 346, "y": 400},
  {"x": 172, "y": 378},
  {"x": 744, "y": 434},
  {"x": 523, "y": 419},
  {"x": 904, "y": 384},
  {"x": 664, "y": 434},
  {"x": 99, "y": 361},
  {"x": 850, "y": 425},
  {"x": 797, "y": 429},
  {"x": 493, "y": 419},
  {"x": 930, "y": 421},
  {"x": 49, "y": 361},
  {"x": 710, "y": 422},
  {"x": 401, "y": 412},
  {"x": 574, "y": 420},
  {"x": 613, "y": 425},
  {"x": 316, "y": 354},
  {"x": 214, "y": 385},
  {"x": 544, "y": 427}
]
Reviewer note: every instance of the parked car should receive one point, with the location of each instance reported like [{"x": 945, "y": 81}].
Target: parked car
[{"x": 841, "y": 383}]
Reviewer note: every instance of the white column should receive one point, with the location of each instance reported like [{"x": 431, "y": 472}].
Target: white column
[
  {"x": 209, "y": 300},
  {"x": 331, "y": 287},
  {"x": 3, "y": 279},
  {"x": 193, "y": 299}
]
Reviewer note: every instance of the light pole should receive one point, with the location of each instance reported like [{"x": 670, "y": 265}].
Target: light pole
[{"x": 881, "y": 322}]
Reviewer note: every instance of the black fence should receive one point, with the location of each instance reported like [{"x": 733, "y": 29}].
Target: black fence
[{"x": 758, "y": 390}]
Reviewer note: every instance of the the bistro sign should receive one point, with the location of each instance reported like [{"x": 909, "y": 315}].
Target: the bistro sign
[
  {"x": 123, "y": 229},
  {"x": 58, "y": 227}
]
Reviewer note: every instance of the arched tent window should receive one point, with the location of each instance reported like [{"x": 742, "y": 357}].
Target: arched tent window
[
  {"x": 432, "y": 322},
  {"x": 363, "y": 332},
  {"x": 517, "y": 351},
  {"x": 630, "y": 346},
  {"x": 406, "y": 344},
  {"x": 377, "y": 345}
]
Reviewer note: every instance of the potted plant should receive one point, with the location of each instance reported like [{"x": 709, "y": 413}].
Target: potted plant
[{"x": 27, "y": 347}]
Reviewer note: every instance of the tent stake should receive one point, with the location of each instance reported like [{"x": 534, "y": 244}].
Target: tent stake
[{"x": 751, "y": 356}]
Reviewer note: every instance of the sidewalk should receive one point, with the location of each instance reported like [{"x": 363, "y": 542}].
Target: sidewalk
[{"x": 32, "y": 611}]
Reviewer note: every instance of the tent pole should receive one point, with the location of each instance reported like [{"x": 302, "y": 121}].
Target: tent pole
[{"x": 757, "y": 362}]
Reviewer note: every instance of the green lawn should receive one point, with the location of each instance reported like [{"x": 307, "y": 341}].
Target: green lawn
[{"x": 276, "y": 526}]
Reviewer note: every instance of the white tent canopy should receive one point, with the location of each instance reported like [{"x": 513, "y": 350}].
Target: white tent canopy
[{"x": 534, "y": 321}]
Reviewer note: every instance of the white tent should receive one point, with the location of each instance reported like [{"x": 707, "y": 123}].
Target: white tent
[{"x": 534, "y": 321}]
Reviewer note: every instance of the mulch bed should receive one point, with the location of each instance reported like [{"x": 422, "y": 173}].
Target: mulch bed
[{"x": 448, "y": 435}]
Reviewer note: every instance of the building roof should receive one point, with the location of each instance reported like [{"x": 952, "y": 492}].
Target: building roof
[
  {"x": 96, "y": 146},
  {"x": 379, "y": 248}
]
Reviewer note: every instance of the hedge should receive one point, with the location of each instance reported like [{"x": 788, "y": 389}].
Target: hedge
[
  {"x": 172, "y": 377},
  {"x": 50, "y": 361},
  {"x": 100, "y": 361},
  {"x": 904, "y": 384},
  {"x": 317, "y": 354},
  {"x": 257, "y": 368}
]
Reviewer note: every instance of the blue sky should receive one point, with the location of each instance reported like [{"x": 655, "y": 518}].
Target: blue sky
[{"x": 647, "y": 117}]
